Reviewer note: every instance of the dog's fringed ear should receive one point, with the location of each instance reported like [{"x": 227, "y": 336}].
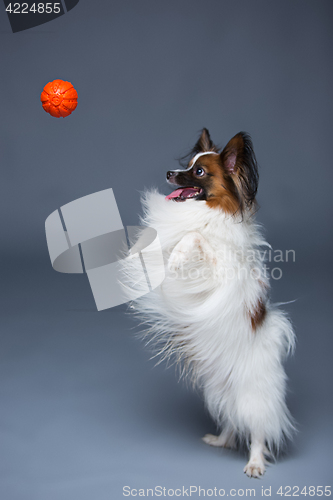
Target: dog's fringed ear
[
  {"x": 239, "y": 161},
  {"x": 204, "y": 143}
]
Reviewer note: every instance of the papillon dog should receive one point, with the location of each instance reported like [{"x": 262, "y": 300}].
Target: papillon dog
[{"x": 212, "y": 312}]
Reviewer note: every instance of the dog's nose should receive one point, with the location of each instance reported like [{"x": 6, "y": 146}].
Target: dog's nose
[{"x": 170, "y": 174}]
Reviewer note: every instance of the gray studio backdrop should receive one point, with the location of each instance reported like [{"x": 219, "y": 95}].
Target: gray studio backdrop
[{"x": 84, "y": 411}]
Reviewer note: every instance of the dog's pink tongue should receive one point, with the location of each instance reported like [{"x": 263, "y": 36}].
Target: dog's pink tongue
[
  {"x": 174, "y": 194},
  {"x": 184, "y": 192}
]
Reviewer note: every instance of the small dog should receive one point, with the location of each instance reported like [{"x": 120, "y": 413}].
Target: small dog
[{"x": 212, "y": 312}]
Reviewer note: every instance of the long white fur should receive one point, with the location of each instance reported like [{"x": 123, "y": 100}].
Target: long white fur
[{"x": 203, "y": 321}]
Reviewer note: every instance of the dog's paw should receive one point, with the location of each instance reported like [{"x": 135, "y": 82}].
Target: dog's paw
[
  {"x": 212, "y": 440},
  {"x": 191, "y": 248},
  {"x": 225, "y": 441},
  {"x": 254, "y": 468},
  {"x": 178, "y": 258}
]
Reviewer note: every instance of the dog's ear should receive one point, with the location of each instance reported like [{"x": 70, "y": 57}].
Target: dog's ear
[
  {"x": 239, "y": 161},
  {"x": 204, "y": 143}
]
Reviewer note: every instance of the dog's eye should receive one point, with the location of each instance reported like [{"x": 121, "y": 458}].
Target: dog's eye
[{"x": 199, "y": 172}]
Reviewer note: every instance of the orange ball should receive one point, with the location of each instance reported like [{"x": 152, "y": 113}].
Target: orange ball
[{"x": 59, "y": 98}]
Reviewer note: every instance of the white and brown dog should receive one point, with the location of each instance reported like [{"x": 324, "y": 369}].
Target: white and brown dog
[{"x": 212, "y": 311}]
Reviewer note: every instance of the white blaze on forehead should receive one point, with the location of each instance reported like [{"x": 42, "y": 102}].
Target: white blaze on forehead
[
  {"x": 194, "y": 159},
  {"x": 197, "y": 156}
]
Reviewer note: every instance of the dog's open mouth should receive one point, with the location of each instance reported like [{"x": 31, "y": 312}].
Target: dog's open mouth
[{"x": 184, "y": 193}]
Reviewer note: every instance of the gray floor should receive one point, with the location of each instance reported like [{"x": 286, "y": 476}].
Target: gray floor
[{"x": 85, "y": 412}]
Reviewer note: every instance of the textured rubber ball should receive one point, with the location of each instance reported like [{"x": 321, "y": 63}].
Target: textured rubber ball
[{"x": 59, "y": 98}]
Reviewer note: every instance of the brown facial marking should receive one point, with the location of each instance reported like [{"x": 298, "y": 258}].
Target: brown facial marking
[{"x": 219, "y": 187}]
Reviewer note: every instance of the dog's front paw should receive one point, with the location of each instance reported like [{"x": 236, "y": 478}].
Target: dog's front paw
[
  {"x": 255, "y": 468},
  {"x": 177, "y": 258},
  {"x": 191, "y": 248}
]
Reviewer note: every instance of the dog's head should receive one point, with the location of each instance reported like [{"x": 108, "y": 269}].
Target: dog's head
[{"x": 227, "y": 180}]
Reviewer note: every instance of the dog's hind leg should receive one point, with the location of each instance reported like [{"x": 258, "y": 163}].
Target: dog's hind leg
[
  {"x": 256, "y": 464},
  {"x": 227, "y": 439}
]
